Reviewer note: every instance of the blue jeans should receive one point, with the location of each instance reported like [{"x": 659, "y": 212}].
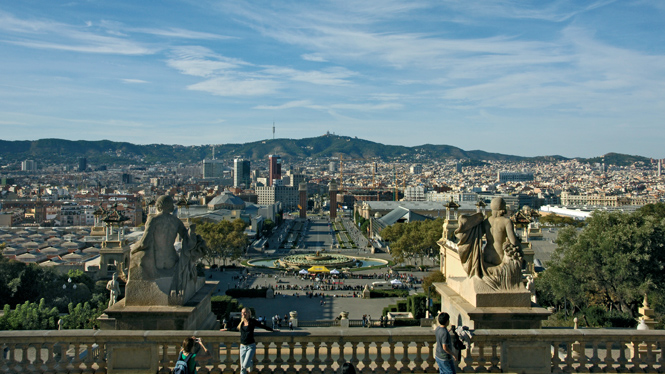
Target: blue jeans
[
  {"x": 247, "y": 357},
  {"x": 445, "y": 367}
]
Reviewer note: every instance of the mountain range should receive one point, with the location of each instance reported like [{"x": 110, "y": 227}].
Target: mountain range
[{"x": 325, "y": 146}]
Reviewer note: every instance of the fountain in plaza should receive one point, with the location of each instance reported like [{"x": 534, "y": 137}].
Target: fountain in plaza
[{"x": 304, "y": 261}]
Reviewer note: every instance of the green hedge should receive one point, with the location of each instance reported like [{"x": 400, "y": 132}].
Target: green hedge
[
  {"x": 247, "y": 292},
  {"x": 402, "y": 305},
  {"x": 388, "y": 293},
  {"x": 407, "y": 322}
]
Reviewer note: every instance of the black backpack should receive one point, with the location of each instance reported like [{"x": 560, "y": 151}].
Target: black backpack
[{"x": 457, "y": 342}]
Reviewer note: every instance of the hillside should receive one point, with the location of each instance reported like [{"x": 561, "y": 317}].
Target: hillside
[{"x": 105, "y": 152}]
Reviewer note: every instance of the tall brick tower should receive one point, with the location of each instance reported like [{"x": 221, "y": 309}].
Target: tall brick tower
[
  {"x": 333, "y": 199},
  {"x": 302, "y": 190}
]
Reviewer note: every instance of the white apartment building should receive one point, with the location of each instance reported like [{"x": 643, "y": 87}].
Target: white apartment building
[{"x": 286, "y": 195}]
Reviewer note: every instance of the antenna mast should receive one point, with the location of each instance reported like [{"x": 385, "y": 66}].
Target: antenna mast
[{"x": 273, "y": 130}]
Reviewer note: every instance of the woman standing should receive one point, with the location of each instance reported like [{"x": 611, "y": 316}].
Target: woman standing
[{"x": 247, "y": 343}]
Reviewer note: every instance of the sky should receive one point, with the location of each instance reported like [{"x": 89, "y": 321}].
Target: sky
[{"x": 578, "y": 78}]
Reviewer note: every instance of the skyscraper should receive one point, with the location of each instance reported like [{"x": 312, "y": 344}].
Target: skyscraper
[
  {"x": 83, "y": 163},
  {"x": 275, "y": 171},
  {"x": 241, "y": 176}
]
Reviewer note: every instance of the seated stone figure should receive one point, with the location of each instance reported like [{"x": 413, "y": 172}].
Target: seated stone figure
[
  {"x": 499, "y": 262},
  {"x": 157, "y": 274}
]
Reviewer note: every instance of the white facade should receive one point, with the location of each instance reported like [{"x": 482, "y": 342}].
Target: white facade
[
  {"x": 416, "y": 193},
  {"x": 288, "y": 196}
]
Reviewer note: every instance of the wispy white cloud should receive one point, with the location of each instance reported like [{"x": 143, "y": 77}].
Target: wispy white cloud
[
  {"x": 134, "y": 81},
  {"x": 313, "y": 57},
  {"x": 289, "y": 105},
  {"x": 227, "y": 86},
  {"x": 330, "y": 77},
  {"x": 59, "y": 36}
]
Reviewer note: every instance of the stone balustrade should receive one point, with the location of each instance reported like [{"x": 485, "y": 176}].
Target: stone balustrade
[{"x": 323, "y": 350}]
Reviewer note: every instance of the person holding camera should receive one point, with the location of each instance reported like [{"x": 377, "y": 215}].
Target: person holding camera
[{"x": 186, "y": 363}]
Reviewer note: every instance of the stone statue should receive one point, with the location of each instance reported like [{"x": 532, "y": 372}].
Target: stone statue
[
  {"x": 531, "y": 287},
  {"x": 154, "y": 255},
  {"x": 114, "y": 288},
  {"x": 498, "y": 263},
  {"x": 157, "y": 274}
]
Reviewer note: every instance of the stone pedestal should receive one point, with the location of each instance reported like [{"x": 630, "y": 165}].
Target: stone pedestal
[
  {"x": 509, "y": 311},
  {"x": 195, "y": 314}
]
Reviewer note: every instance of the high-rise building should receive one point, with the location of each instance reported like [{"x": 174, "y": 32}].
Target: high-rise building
[
  {"x": 212, "y": 169},
  {"x": 241, "y": 176},
  {"x": 28, "y": 165},
  {"x": 83, "y": 164},
  {"x": 275, "y": 171}
]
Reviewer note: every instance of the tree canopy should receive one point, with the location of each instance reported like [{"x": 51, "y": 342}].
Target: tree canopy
[
  {"x": 413, "y": 240},
  {"x": 612, "y": 262},
  {"x": 225, "y": 239}
]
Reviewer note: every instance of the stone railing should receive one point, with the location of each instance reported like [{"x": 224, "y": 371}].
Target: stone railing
[{"x": 399, "y": 350}]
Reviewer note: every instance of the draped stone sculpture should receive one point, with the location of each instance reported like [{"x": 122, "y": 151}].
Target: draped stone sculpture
[
  {"x": 498, "y": 263},
  {"x": 157, "y": 274}
]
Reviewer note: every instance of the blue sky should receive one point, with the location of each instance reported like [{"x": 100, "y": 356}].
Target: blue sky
[{"x": 575, "y": 78}]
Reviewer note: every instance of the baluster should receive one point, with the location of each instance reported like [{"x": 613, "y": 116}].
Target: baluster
[
  {"x": 556, "y": 361},
  {"x": 379, "y": 359},
  {"x": 317, "y": 360},
  {"x": 49, "y": 364},
  {"x": 329, "y": 360},
  {"x": 165, "y": 361},
  {"x": 228, "y": 360},
  {"x": 569, "y": 358},
  {"x": 622, "y": 358},
  {"x": 391, "y": 360},
  {"x": 481, "y": 358},
  {"x": 266, "y": 359},
  {"x": 278, "y": 358},
  {"x": 405, "y": 361},
  {"x": 636, "y": 360},
  {"x": 10, "y": 361},
  {"x": 341, "y": 360},
  {"x": 76, "y": 361},
  {"x": 582, "y": 368},
  {"x": 354, "y": 354},
  {"x": 595, "y": 360},
  {"x": 202, "y": 364},
  {"x": 495, "y": 359},
  {"x": 89, "y": 360},
  {"x": 661, "y": 360},
  {"x": 214, "y": 361},
  {"x": 23, "y": 364},
  {"x": 63, "y": 360},
  {"x": 303, "y": 359},
  {"x": 292, "y": 360},
  {"x": 100, "y": 358},
  {"x": 650, "y": 358},
  {"x": 609, "y": 358},
  {"x": 418, "y": 361},
  {"x": 366, "y": 360},
  {"x": 467, "y": 357},
  {"x": 38, "y": 363}
]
